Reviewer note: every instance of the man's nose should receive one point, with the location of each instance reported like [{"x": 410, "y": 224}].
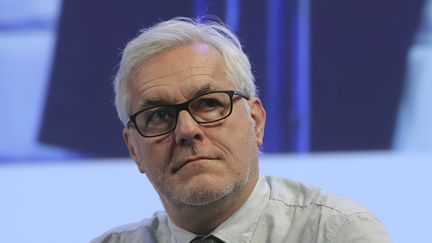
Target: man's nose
[{"x": 187, "y": 130}]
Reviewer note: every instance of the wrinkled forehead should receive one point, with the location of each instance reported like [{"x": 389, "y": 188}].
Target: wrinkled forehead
[{"x": 180, "y": 74}]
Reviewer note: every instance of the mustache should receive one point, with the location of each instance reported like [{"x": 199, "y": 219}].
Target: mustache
[{"x": 187, "y": 157}]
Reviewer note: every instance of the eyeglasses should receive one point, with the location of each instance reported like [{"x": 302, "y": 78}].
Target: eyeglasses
[{"x": 205, "y": 108}]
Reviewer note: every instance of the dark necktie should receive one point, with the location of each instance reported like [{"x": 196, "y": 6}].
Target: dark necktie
[{"x": 210, "y": 239}]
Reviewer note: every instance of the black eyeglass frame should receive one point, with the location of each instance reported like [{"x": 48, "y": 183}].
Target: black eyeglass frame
[{"x": 185, "y": 106}]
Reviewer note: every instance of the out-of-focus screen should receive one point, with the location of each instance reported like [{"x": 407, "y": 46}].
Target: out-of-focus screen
[{"x": 346, "y": 85}]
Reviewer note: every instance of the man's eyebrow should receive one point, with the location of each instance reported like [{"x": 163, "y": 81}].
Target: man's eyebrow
[
  {"x": 156, "y": 101},
  {"x": 153, "y": 101},
  {"x": 204, "y": 89}
]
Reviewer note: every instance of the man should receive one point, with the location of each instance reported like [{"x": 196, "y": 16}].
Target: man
[{"x": 193, "y": 124}]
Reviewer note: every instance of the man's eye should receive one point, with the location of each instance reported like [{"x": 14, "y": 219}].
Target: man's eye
[
  {"x": 204, "y": 104},
  {"x": 158, "y": 116}
]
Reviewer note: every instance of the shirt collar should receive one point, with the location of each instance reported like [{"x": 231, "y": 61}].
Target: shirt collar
[
  {"x": 178, "y": 234},
  {"x": 241, "y": 225}
]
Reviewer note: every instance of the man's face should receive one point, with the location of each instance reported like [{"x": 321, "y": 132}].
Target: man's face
[{"x": 195, "y": 164}]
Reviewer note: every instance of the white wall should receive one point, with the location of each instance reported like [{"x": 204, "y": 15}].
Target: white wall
[{"x": 74, "y": 201}]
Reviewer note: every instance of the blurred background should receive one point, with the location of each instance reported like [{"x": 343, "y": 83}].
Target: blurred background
[{"x": 346, "y": 84}]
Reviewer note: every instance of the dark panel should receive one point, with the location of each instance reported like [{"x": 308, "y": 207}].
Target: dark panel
[
  {"x": 273, "y": 76},
  {"x": 252, "y": 33},
  {"x": 210, "y": 8},
  {"x": 359, "y": 51},
  {"x": 78, "y": 114}
]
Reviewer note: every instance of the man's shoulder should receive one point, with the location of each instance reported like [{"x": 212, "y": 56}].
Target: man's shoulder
[
  {"x": 320, "y": 215},
  {"x": 296, "y": 194},
  {"x": 142, "y": 231}
]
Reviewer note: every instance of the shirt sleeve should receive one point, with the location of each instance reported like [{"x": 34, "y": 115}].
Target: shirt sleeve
[{"x": 360, "y": 228}]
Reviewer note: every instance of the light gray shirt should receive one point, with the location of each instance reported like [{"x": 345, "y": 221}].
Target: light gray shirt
[{"x": 278, "y": 210}]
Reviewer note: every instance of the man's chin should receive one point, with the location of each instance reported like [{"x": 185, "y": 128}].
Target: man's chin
[{"x": 203, "y": 195}]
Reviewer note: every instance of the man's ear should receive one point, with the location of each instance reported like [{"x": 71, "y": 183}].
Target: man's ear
[
  {"x": 131, "y": 146},
  {"x": 258, "y": 114}
]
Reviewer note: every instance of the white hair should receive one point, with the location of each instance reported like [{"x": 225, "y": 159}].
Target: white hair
[{"x": 174, "y": 33}]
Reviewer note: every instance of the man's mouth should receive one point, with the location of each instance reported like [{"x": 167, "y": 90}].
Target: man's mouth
[{"x": 178, "y": 166}]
